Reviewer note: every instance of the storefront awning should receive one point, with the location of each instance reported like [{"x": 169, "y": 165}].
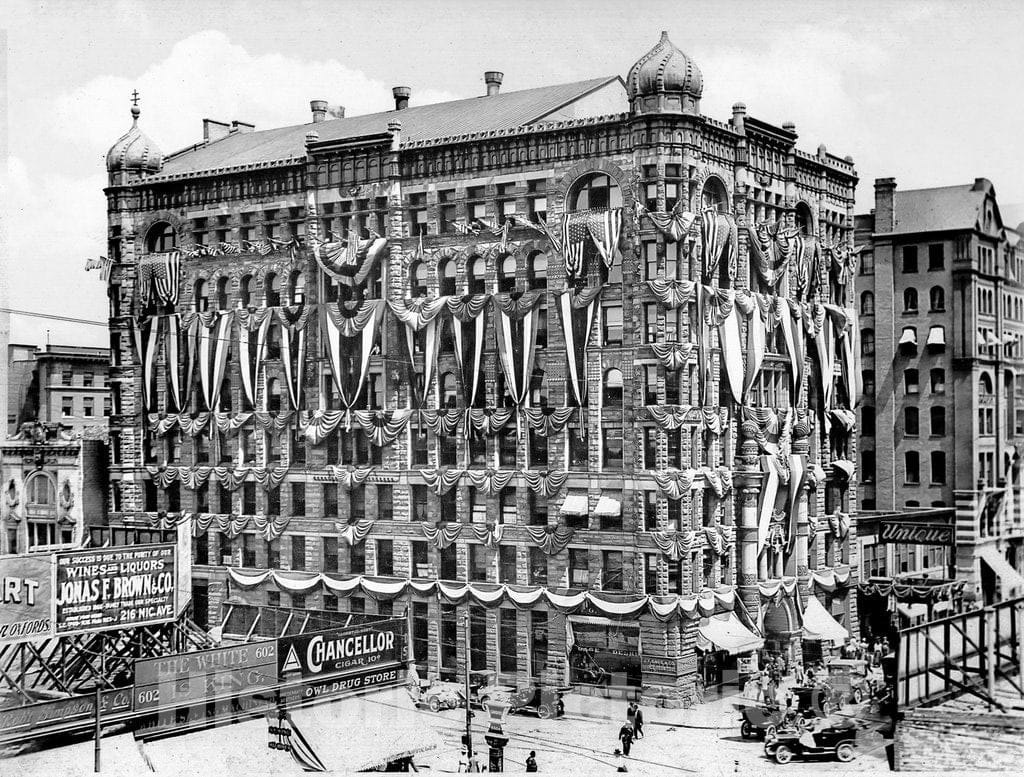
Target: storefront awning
[
  {"x": 912, "y": 611},
  {"x": 997, "y": 562},
  {"x": 820, "y": 625},
  {"x": 725, "y": 632},
  {"x": 608, "y": 507},
  {"x": 574, "y": 504},
  {"x": 389, "y": 734},
  {"x": 909, "y": 336},
  {"x": 937, "y": 336}
]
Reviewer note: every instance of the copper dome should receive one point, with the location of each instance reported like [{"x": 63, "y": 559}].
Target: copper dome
[
  {"x": 664, "y": 69},
  {"x": 134, "y": 150}
]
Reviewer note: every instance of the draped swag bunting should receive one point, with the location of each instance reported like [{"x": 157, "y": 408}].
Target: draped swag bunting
[
  {"x": 673, "y": 225},
  {"x": 253, "y": 327},
  {"x": 489, "y": 535},
  {"x": 671, "y": 417},
  {"x": 488, "y": 422},
  {"x": 768, "y": 257},
  {"x": 490, "y": 480},
  {"x": 441, "y": 481},
  {"x": 515, "y": 328},
  {"x": 349, "y": 262},
  {"x": 489, "y": 595},
  {"x": 442, "y": 422},
  {"x": 469, "y": 329},
  {"x": 576, "y": 310},
  {"x": 719, "y": 539},
  {"x": 350, "y": 332},
  {"x": 673, "y": 293},
  {"x": 545, "y": 482},
  {"x": 350, "y": 476},
  {"x": 548, "y": 421},
  {"x": 676, "y": 483},
  {"x": 354, "y": 533},
  {"x": 318, "y": 425},
  {"x": 550, "y": 539},
  {"x": 441, "y": 536},
  {"x": 674, "y": 545},
  {"x": 382, "y": 426},
  {"x": 269, "y": 478},
  {"x": 420, "y": 316},
  {"x": 673, "y": 355}
]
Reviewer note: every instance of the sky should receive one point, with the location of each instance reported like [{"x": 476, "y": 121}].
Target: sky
[{"x": 927, "y": 92}]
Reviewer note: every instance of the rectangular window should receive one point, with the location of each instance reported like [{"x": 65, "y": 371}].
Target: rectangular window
[
  {"x": 538, "y": 566},
  {"x": 419, "y": 447},
  {"x": 249, "y": 550},
  {"x": 88, "y": 407},
  {"x": 298, "y": 498},
  {"x": 579, "y": 572},
  {"x": 612, "y": 317},
  {"x": 909, "y": 259},
  {"x": 447, "y": 210},
  {"x": 578, "y": 456},
  {"x": 650, "y": 261},
  {"x": 536, "y": 509},
  {"x": 612, "y": 447},
  {"x": 938, "y": 467},
  {"x": 538, "y": 449},
  {"x": 249, "y": 498},
  {"x": 331, "y": 554},
  {"x": 478, "y": 563},
  {"x": 66, "y": 377},
  {"x": 274, "y": 554},
  {"x": 650, "y": 448},
  {"x": 67, "y": 407},
  {"x": 612, "y": 572},
  {"x": 357, "y": 559},
  {"x": 651, "y": 573},
  {"x": 507, "y": 564},
  {"x": 420, "y": 559},
  {"x": 650, "y": 322},
  {"x": 508, "y": 641},
  {"x": 507, "y": 447},
  {"x": 477, "y": 638},
  {"x": 537, "y": 202},
  {"x": 650, "y": 384},
  {"x": 507, "y": 505},
  {"x": 298, "y": 551},
  {"x": 385, "y": 557},
  {"x": 913, "y": 467},
  {"x": 330, "y": 500},
  {"x": 936, "y": 256},
  {"x": 449, "y": 563},
  {"x": 201, "y": 550},
  {"x": 418, "y": 214},
  {"x": 539, "y": 642},
  {"x": 419, "y": 502},
  {"x": 385, "y": 503}
]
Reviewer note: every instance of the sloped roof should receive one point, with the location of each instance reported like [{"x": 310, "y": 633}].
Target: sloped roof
[
  {"x": 421, "y": 122},
  {"x": 939, "y": 209}
]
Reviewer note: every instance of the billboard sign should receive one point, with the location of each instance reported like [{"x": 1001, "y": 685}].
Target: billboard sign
[
  {"x": 61, "y": 714},
  {"x": 340, "y": 651},
  {"x": 905, "y": 533},
  {"x": 26, "y": 585},
  {"x": 204, "y": 675},
  {"x": 114, "y": 588}
]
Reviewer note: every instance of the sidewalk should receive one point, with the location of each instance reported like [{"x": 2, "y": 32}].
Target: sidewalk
[{"x": 715, "y": 713}]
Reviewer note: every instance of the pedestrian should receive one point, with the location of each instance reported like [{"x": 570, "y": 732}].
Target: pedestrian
[
  {"x": 626, "y": 737},
  {"x": 638, "y": 723},
  {"x": 631, "y": 716},
  {"x": 798, "y": 674},
  {"x": 531, "y": 761}
]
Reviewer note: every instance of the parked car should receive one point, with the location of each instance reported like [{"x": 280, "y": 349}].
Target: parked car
[
  {"x": 831, "y": 740},
  {"x": 438, "y": 695}
]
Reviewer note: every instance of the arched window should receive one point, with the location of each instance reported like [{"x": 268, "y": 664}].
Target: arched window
[
  {"x": 938, "y": 421},
  {"x": 272, "y": 290},
  {"x": 446, "y": 274},
  {"x": 507, "y": 274},
  {"x": 937, "y": 298},
  {"x": 804, "y": 218},
  {"x": 714, "y": 195},
  {"x": 161, "y": 237},
  {"x": 867, "y": 304},
  {"x": 274, "y": 341},
  {"x": 476, "y": 275},
  {"x": 297, "y": 287},
  {"x": 985, "y": 384},
  {"x": 200, "y": 300},
  {"x": 867, "y": 342},
  {"x": 273, "y": 395},
  {"x": 537, "y": 270},
  {"x": 909, "y": 300},
  {"x": 39, "y": 491},
  {"x": 247, "y": 291},
  {"x": 449, "y": 391},
  {"x": 222, "y": 293},
  {"x": 613, "y": 388},
  {"x": 911, "y": 422},
  {"x": 596, "y": 190},
  {"x": 418, "y": 279}
]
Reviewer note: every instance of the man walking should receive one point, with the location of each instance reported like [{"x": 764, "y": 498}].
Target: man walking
[
  {"x": 638, "y": 722},
  {"x": 531, "y": 761},
  {"x": 626, "y": 737}
]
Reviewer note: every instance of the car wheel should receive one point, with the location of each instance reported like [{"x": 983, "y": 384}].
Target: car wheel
[
  {"x": 845, "y": 752},
  {"x": 746, "y": 730},
  {"x": 544, "y": 712},
  {"x": 858, "y": 696},
  {"x": 434, "y": 704},
  {"x": 482, "y": 700},
  {"x": 783, "y": 755}
]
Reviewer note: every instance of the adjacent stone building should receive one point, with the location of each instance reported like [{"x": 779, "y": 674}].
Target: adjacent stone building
[
  {"x": 941, "y": 296},
  {"x": 58, "y": 384},
  {"x": 572, "y": 368}
]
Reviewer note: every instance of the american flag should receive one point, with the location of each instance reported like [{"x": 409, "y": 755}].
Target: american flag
[
  {"x": 464, "y": 229},
  {"x": 352, "y": 248},
  {"x": 575, "y": 231}
]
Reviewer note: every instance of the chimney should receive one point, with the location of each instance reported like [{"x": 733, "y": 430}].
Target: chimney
[
  {"x": 739, "y": 117},
  {"x": 215, "y": 130},
  {"x": 319, "y": 109},
  {"x": 401, "y": 94},
  {"x": 242, "y": 126},
  {"x": 885, "y": 206},
  {"x": 336, "y": 111},
  {"x": 493, "y": 80}
]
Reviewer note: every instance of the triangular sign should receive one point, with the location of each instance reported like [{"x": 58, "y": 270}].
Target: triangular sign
[{"x": 291, "y": 661}]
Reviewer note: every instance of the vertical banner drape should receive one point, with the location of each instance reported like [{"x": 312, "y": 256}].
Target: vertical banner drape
[
  {"x": 213, "y": 338},
  {"x": 147, "y": 334},
  {"x": 576, "y": 310},
  {"x": 253, "y": 326},
  {"x": 469, "y": 328},
  {"x": 179, "y": 365},
  {"x": 797, "y": 478},
  {"x": 769, "y": 465},
  {"x": 294, "y": 319},
  {"x": 349, "y": 333},
  {"x": 515, "y": 328},
  {"x": 420, "y": 315}
]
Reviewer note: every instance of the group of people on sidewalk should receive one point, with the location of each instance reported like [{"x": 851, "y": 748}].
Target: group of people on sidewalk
[{"x": 633, "y": 728}]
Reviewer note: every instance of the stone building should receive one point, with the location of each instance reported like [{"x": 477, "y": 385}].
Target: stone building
[
  {"x": 58, "y": 384},
  {"x": 941, "y": 300},
  {"x": 566, "y": 374}
]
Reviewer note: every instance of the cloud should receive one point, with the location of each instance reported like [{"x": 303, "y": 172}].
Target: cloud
[{"x": 56, "y": 171}]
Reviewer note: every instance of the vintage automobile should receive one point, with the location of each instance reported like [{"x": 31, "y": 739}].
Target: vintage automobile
[
  {"x": 438, "y": 695},
  {"x": 816, "y": 700},
  {"x": 759, "y": 720},
  {"x": 826, "y": 740},
  {"x": 852, "y": 680},
  {"x": 544, "y": 702}
]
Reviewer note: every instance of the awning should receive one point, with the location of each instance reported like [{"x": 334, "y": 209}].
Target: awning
[
  {"x": 385, "y": 734},
  {"x": 574, "y": 504},
  {"x": 608, "y": 507},
  {"x": 725, "y": 632},
  {"x": 937, "y": 336},
  {"x": 912, "y": 611},
  {"x": 846, "y": 467},
  {"x": 1012, "y": 579},
  {"x": 820, "y": 625},
  {"x": 909, "y": 336}
]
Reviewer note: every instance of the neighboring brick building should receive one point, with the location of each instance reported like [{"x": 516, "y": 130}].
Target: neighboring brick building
[
  {"x": 59, "y": 384},
  {"x": 557, "y": 424},
  {"x": 941, "y": 295}
]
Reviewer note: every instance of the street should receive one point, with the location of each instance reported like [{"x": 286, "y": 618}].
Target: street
[{"x": 704, "y": 740}]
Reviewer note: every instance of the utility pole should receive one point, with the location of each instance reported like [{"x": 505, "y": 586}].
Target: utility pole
[{"x": 469, "y": 713}]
